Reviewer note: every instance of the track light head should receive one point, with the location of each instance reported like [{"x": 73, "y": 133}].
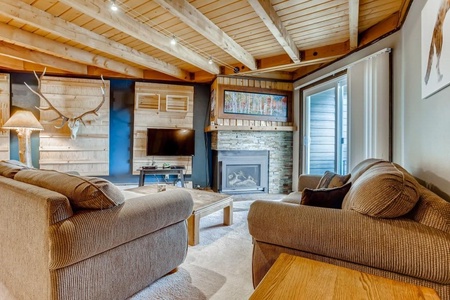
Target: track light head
[
  {"x": 173, "y": 41},
  {"x": 113, "y": 5}
]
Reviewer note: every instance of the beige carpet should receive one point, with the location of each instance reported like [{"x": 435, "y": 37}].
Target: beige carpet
[{"x": 219, "y": 267}]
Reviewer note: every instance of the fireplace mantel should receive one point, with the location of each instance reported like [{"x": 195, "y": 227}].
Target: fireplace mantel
[{"x": 249, "y": 128}]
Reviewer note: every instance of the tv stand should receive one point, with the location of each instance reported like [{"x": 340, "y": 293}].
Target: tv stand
[{"x": 158, "y": 171}]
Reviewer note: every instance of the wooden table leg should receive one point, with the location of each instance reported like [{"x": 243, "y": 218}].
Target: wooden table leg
[
  {"x": 193, "y": 229},
  {"x": 228, "y": 214}
]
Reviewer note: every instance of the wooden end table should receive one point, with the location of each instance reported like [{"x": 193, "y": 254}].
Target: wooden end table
[{"x": 294, "y": 277}]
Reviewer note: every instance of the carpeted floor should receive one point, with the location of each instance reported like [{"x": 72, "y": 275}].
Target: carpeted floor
[{"x": 219, "y": 267}]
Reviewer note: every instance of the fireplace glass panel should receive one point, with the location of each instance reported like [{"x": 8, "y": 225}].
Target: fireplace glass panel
[{"x": 243, "y": 176}]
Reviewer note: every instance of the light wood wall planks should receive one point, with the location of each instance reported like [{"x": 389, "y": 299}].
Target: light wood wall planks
[
  {"x": 160, "y": 106},
  {"x": 4, "y": 115},
  {"x": 88, "y": 154}
]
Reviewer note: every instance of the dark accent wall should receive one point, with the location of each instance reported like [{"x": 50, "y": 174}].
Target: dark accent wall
[{"x": 121, "y": 128}]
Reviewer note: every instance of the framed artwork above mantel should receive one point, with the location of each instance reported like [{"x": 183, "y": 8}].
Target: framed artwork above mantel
[{"x": 249, "y": 103}]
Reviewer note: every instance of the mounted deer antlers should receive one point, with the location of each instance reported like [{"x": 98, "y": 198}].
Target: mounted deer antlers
[{"x": 72, "y": 122}]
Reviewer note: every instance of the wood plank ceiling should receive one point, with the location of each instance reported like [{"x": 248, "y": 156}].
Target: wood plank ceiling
[{"x": 280, "y": 39}]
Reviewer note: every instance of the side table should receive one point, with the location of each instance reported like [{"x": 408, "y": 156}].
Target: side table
[{"x": 295, "y": 277}]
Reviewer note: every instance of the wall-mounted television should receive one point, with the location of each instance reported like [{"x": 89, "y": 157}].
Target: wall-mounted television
[{"x": 170, "y": 142}]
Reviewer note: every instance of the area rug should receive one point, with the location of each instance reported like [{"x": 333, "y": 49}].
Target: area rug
[{"x": 219, "y": 267}]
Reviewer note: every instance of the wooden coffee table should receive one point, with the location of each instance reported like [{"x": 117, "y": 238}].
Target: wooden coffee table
[
  {"x": 205, "y": 203},
  {"x": 294, "y": 277}
]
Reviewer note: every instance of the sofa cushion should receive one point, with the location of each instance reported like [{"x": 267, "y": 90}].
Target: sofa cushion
[
  {"x": 383, "y": 191},
  {"x": 82, "y": 192},
  {"x": 431, "y": 210},
  {"x": 363, "y": 166},
  {"x": 330, "y": 198},
  {"x": 293, "y": 198},
  {"x": 332, "y": 180},
  {"x": 9, "y": 168}
]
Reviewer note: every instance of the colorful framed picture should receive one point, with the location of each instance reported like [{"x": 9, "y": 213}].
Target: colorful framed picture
[
  {"x": 254, "y": 103},
  {"x": 435, "y": 53}
]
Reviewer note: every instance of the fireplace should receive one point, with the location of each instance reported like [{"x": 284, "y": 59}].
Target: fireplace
[{"x": 241, "y": 171}]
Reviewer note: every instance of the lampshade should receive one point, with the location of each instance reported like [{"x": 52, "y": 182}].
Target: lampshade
[{"x": 23, "y": 119}]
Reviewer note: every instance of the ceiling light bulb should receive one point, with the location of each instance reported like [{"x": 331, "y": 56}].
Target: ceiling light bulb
[
  {"x": 114, "y": 6},
  {"x": 173, "y": 41},
  {"x": 210, "y": 61}
]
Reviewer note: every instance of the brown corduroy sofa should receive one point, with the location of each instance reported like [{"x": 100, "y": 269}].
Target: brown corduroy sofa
[
  {"x": 54, "y": 247},
  {"x": 404, "y": 238}
]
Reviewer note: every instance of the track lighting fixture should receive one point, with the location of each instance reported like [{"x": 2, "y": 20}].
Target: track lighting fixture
[
  {"x": 173, "y": 41},
  {"x": 113, "y": 5}
]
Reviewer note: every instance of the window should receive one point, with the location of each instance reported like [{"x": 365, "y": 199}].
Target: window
[
  {"x": 346, "y": 116},
  {"x": 325, "y": 122}
]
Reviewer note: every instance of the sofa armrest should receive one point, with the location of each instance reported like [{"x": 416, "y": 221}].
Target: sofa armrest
[
  {"x": 397, "y": 245},
  {"x": 308, "y": 181},
  {"x": 88, "y": 233}
]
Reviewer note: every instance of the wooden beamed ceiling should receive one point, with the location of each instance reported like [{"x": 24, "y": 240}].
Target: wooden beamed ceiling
[{"x": 278, "y": 39}]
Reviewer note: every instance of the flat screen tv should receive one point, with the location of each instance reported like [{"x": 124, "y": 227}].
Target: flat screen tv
[{"x": 170, "y": 142}]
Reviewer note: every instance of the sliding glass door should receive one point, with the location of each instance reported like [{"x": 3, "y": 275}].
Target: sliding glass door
[{"x": 325, "y": 127}]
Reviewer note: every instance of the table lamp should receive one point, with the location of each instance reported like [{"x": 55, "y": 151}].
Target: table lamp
[{"x": 24, "y": 122}]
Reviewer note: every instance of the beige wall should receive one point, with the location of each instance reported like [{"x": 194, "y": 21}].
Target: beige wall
[
  {"x": 426, "y": 122},
  {"x": 421, "y": 126}
]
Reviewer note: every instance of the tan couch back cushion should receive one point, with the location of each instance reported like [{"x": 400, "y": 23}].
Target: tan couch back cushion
[
  {"x": 383, "y": 191},
  {"x": 431, "y": 210},
  {"x": 363, "y": 166},
  {"x": 82, "y": 192},
  {"x": 9, "y": 168}
]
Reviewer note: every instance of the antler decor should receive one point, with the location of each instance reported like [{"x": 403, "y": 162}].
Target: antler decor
[{"x": 72, "y": 122}]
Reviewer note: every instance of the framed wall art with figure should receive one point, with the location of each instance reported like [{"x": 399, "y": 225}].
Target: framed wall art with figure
[{"x": 435, "y": 51}]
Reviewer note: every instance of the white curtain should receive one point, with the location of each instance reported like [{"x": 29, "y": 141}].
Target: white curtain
[{"x": 369, "y": 112}]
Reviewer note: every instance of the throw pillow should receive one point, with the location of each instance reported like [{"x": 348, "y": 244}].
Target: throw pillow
[
  {"x": 384, "y": 191},
  {"x": 329, "y": 198},
  {"x": 9, "y": 168},
  {"x": 82, "y": 192},
  {"x": 332, "y": 180}
]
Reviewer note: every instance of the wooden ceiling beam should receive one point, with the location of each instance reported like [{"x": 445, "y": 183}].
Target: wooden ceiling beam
[
  {"x": 41, "y": 58},
  {"x": 121, "y": 21},
  {"x": 380, "y": 29},
  {"x": 353, "y": 22},
  {"x": 189, "y": 15},
  {"x": 269, "y": 16},
  {"x": 30, "y": 15},
  {"x": 9, "y": 63},
  {"x": 283, "y": 62},
  {"x": 36, "y": 42}
]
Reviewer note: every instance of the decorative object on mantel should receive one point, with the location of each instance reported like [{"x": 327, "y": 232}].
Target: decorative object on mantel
[
  {"x": 72, "y": 122},
  {"x": 24, "y": 122},
  {"x": 254, "y": 103}
]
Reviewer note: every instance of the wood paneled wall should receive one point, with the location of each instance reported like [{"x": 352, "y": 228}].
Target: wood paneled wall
[
  {"x": 160, "y": 106},
  {"x": 88, "y": 154},
  {"x": 4, "y": 115}
]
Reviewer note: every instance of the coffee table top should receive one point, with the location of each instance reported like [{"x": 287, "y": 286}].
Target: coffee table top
[
  {"x": 294, "y": 277},
  {"x": 202, "y": 199}
]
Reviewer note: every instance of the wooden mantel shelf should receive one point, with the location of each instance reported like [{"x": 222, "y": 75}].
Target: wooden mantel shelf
[{"x": 249, "y": 128}]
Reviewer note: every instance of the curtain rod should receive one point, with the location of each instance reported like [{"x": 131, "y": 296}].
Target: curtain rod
[{"x": 388, "y": 50}]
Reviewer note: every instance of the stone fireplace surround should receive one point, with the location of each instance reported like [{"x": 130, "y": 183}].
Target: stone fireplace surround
[{"x": 278, "y": 143}]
